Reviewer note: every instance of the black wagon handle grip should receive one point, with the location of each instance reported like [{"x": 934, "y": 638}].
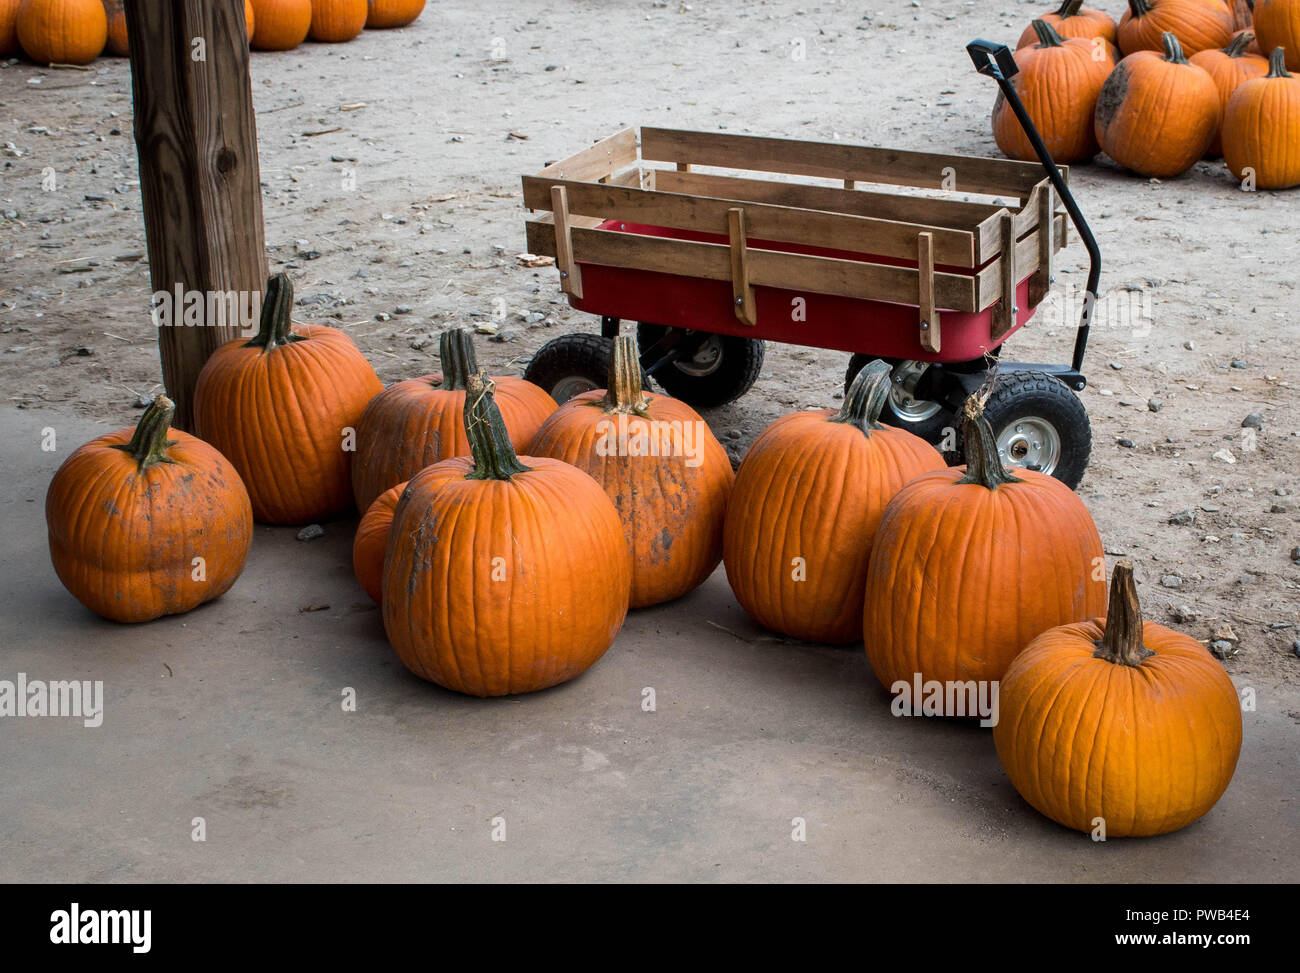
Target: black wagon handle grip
[{"x": 995, "y": 60}]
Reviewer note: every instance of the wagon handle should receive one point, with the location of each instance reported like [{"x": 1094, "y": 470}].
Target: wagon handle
[{"x": 997, "y": 61}]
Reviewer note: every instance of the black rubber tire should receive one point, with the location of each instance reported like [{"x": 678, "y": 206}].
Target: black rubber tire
[
  {"x": 933, "y": 430},
  {"x": 1020, "y": 394},
  {"x": 568, "y": 357},
  {"x": 738, "y": 369}
]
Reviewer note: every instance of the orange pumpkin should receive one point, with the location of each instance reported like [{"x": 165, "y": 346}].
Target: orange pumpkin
[
  {"x": 1277, "y": 24},
  {"x": 142, "y": 526},
  {"x": 504, "y": 574},
  {"x": 1121, "y": 724},
  {"x": 1199, "y": 25},
  {"x": 1229, "y": 68},
  {"x": 283, "y": 408},
  {"x": 62, "y": 31},
  {"x": 416, "y": 423},
  {"x": 280, "y": 25},
  {"x": 1073, "y": 19},
  {"x": 335, "y": 21},
  {"x": 806, "y": 508},
  {"x": 1059, "y": 81},
  {"x": 1243, "y": 14},
  {"x": 117, "y": 41},
  {"x": 668, "y": 476},
  {"x": 969, "y": 564},
  {"x": 1261, "y": 128},
  {"x": 9, "y": 27},
  {"x": 371, "y": 541},
  {"x": 1157, "y": 115},
  {"x": 393, "y": 13},
  {"x": 250, "y": 18}
]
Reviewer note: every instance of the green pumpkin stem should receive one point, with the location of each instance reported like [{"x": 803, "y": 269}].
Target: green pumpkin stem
[
  {"x": 1239, "y": 44},
  {"x": 489, "y": 443},
  {"x": 1277, "y": 64},
  {"x": 149, "y": 442},
  {"x": 1173, "y": 49},
  {"x": 1047, "y": 35},
  {"x": 865, "y": 399},
  {"x": 983, "y": 464},
  {"x": 276, "y": 326},
  {"x": 1069, "y": 9},
  {"x": 624, "y": 392},
  {"x": 456, "y": 352},
  {"x": 1121, "y": 640},
  {"x": 1139, "y": 8}
]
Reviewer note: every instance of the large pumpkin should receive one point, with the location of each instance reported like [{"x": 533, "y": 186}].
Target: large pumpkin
[
  {"x": 1261, "y": 128},
  {"x": 1277, "y": 24},
  {"x": 969, "y": 564},
  {"x": 1199, "y": 25},
  {"x": 371, "y": 541},
  {"x": 117, "y": 43},
  {"x": 280, "y": 25},
  {"x": 1157, "y": 114},
  {"x": 806, "y": 507},
  {"x": 9, "y": 27},
  {"x": 504, "y": 574},
  {"x": 420, "y": 421},
  {"x": 1059, "y": 81},
  {"x": 393, "y": 13},
  {"x": 142, "y": 525},
  {"x": 283, "y": 408},
  {"x": 1073, "y": 19},
  {"x": 1229, "y": 68},
  {"x": 334, "y": 21},
  {"x": 668, "y": 476},
  {"x": 1121, "y": 724},
  {"x": 62, "y": 31}
]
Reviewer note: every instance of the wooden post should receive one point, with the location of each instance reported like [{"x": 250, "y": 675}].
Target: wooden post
[{"x": 200, "y": 184}]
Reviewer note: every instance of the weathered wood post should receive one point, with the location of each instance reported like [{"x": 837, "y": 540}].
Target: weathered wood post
[{"x": 200, "y": 184}]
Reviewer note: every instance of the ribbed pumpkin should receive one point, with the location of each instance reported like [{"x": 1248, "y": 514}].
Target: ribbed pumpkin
[
  {"x": 1059, "y": 81},
  {"x": 280, "y": 25},
  {"x": 280, "y": 408},
  {"x": 416, "y": 423},
  {"x": 1073, "y": 19},
  {"x": 393, "y": 13},
  {"x": 658, "y": 461},
  {"x": 1120, "y": 720},
  {"x": 1261, "y": 128},
  {"x": 504, "y": 574},
  {"x": 1243, "y": 14},
  {"x": 9, "y": 27},
  {"x": 969, "y": 564},
  {"x": 117, "y": 43},
  {"x": 335, "y": 21},
  {"x": 1277, "y": 24},
  {"x": 1199, "y": 25},
  {"x": 1157, "y": 114},
  {"x": 371, "y": 541},
  {"x": 131, "y": 514},
  {"x": 1229, "y": 68},
  {"x": 805, "y": 510},
  {"x": 62, "y": 31}
]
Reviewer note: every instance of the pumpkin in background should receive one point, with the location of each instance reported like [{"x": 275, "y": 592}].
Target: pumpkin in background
[
  {"x": 1243, "y": 14},
  {"x": 117, "y": 43},
  {"x": 393, "y": 13},
  {"x": 503, "y": 574},
  {"x": 334, "y": 21},
  {"x": 1261, "y": 128},
  {"x": 1122, "y": 720},
  {"x": 282, "y": 407},
  {"x": 1073, "y": 19},
  {"x": 62, "y": 31},
  {"x": 280, "y": 25},
  {"x": 9, "y": 27},
  {"x": 1059, "y": 81},
  {"x": 970, "y": 564},
  {"x": 1199, "y": 25},
  {"x": 250, "y": 19},
  {"x": 371, "y": 541},
  {"x": 130, "y": 513},
  {"x": 1277, "y": 24},
  {"x": 805, "y": 510},
  {"x": 416, "y": 423},
  {"x": 668, "y": 477},
  {"x": 1229, "y": 68},
  {"x": 1157, "y": 114}
]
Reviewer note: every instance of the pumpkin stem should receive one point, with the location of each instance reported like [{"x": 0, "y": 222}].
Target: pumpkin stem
[
  {"x": 1173, "y": 49},
  {"x": 1047, "y": 36},
  {"x": 1069, "y": 9},
  {"x": 1239, "y": 44},
  {"x": 624, "y": 392},
  {"x": 1121, "y": 640},
  {"x": 1139, "y": 8},
  {"x": 983, "y": 464},
  {"x": 489, "y": 443},
  {"x": 865, "y": 398},
  {"x": 456, "y": 352},
  {"x": 149, "y": 442},
  {"x": 275, "y": 327},
  {"x": 1277, "y": 64}
]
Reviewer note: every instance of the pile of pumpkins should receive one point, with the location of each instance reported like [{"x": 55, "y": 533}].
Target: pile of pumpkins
[
  {"x": 1174, "y": 81},
  {"x": 505, "y": 539},
  {"x": 78, "y": 31}
]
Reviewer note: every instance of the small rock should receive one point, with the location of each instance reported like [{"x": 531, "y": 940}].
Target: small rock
[
  {"x": 1226, "y": 633},
  {"x": 1211, "y": 508},
  {"x": 1183, "y": 517},
  {"x": 311, "y": 532},
  {"x": 1295, "y": 554},
  {"x": 1225, "y": 455},
  {"x": 1295, "y": 647},
  {"x": 1183, "y": 615},
  {"x": 1126, "y": 443},
  {"x": 1171, "y": 581},
  {"x": 1278, "y": 508},
  {"x": 85, "y": 351},
  {"x": 142, "y": 402},
  {"x": 383, "y": 316},
  {"x": 1222, "y": 649},
  {"x": 732, "y": 433},
  {"x": 1282, "y": 492},
  {"x": 1246, "y": 579},
  {"x": 1118, "y": 366},
  {"x": 1189, "y": 344},
  {"x": 504, "y": 335},
  {"x": 1154, "y": 404},
  {"x": 1253, "y": 421},
  {"x": 403, "y": 309},
  {"x": 1238, "y": 363}
]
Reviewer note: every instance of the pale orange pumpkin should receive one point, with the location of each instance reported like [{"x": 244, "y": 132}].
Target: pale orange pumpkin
[
  {"x": 1261, "y": 128},
  {"x": 62, "y": 31},
  {"x": 1229, "y": 68}
]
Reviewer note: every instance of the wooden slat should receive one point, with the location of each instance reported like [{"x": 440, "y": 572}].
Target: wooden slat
[
  {"x": 1004, "y": 312},
  {"x": 925, "y": 292},
  {"x": 989, "y": 279},
  {"x": 598, "y": 161},
  {"x": 1041, "y": 281},
  {"x": 741, "y": 291},
  {"x": 570, "y": 273}
]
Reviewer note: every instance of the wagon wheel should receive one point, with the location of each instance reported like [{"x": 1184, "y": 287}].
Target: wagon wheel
[
  {"x": 1039, "y": 424},
  {"x": 720, "y": 370},
  {"x": 932, "y": 421},
  {"x": 571, "y": 364}
]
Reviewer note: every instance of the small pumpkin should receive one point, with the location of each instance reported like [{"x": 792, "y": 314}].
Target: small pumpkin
[
  {"x": 9, "y": 27},
  {"x": 806, "y": 508},
  {"x": 1199, "y": 25},
  {"x": 1120, "y": 721},
  {"x": 335, "y": 21},
  {"x": 1157, "y": 114},
  {"x": 658, "y": 461},
  {"x": 142, "y": 525},
  {"x": 393, "y": 13},
  {"x": 503, "y": 574},
  {"x": 117, "y": 43},
  {"x": 371, "y": 541},
  {"x": 1261, "y": 128},
  {"x": 62, "y": 31},
  {"x": 1073, "y": 19},
  {"x": 1277, "y": 24},
  {"x": 283, "y": 407},
  {"x": 1229, "y": 68},
  {"x": 416, "y": 423},
  {"x": 1059, "y": 82},
  {"x": 969, "y": 564},
  {"x": 280, "y": 25}
]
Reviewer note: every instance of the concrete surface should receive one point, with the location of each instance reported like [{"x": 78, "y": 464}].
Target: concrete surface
[{"x": 232, "y": 713}]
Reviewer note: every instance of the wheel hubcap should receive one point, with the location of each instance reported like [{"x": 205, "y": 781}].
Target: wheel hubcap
[
  {"x": 902, "y": 385},
  {"x": 1030, "y": 443},
  {"x": 705, "y": 361},
  {"x": 567, "y": 388}
]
